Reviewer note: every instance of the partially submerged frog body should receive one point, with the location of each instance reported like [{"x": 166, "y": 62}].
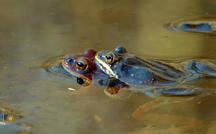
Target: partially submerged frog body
[
  {"x": 84, "y": 68},
  {"x": 156, "y": 77}
]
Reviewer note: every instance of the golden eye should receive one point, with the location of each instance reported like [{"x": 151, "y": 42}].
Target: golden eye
[
  {"x": 109, "y": 58},
  {"x": 81, "y": 64}
]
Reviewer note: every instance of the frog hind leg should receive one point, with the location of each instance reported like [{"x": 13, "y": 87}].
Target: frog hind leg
[
  {"x": 181, "y": 90},
  {"x": 201, "y": 68}
]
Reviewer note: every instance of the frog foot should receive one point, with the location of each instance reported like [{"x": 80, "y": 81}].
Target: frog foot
[
  {"x": 112, "y": 90},
  {"x": 114, "y": 85}
]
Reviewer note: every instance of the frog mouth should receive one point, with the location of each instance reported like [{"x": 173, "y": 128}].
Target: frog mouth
[{"x": 104, "y": 66}]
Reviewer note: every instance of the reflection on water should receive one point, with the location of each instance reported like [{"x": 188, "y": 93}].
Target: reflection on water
[
  {"x": 34, "y": 31},
  {"x": 169, "y": 124},
  {"x": 10, "y": 120},
  {"x": 8, "y": 115},
  {"x": 202, "y": 25}
]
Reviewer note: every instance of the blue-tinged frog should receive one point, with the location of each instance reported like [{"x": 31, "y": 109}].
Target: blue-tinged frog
[{"x": 154, "y": 76}]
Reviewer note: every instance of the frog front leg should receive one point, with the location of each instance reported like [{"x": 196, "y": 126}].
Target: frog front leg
[{"x": 114, "y": 85}]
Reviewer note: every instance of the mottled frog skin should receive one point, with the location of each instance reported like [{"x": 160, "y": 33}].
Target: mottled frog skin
[{"x": 169, "y": 78}]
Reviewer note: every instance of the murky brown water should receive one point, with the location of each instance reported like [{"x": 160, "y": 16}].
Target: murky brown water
[{"x": 34, "y": 31}]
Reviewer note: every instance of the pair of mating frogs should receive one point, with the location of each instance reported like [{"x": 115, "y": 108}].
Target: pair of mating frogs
[{"x": 117, "y": 69}]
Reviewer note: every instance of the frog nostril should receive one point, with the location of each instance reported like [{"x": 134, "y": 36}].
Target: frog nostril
[{"x": 68, "y": 60}]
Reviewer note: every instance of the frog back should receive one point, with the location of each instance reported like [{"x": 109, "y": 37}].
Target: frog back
[{"x": 143, "y": 72}]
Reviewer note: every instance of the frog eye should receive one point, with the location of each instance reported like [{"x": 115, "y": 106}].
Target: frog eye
[
  {"x": 109, "y": 58},
  {"x": 81, "y": 64}
]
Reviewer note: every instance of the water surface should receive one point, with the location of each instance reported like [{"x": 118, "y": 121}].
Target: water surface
[{"x": 34, "y": 31}]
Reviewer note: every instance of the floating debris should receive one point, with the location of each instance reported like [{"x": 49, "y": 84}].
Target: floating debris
[
  {"x": 97, "y": 118},
  {"x": 72, "y": 89},
  {"x": 202, "y": 25}
]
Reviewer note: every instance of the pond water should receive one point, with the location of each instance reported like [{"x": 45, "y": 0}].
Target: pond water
[{"x": 35, "y": 31}]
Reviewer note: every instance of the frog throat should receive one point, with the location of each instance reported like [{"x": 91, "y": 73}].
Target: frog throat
[{"x": 105, "y": 67}]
